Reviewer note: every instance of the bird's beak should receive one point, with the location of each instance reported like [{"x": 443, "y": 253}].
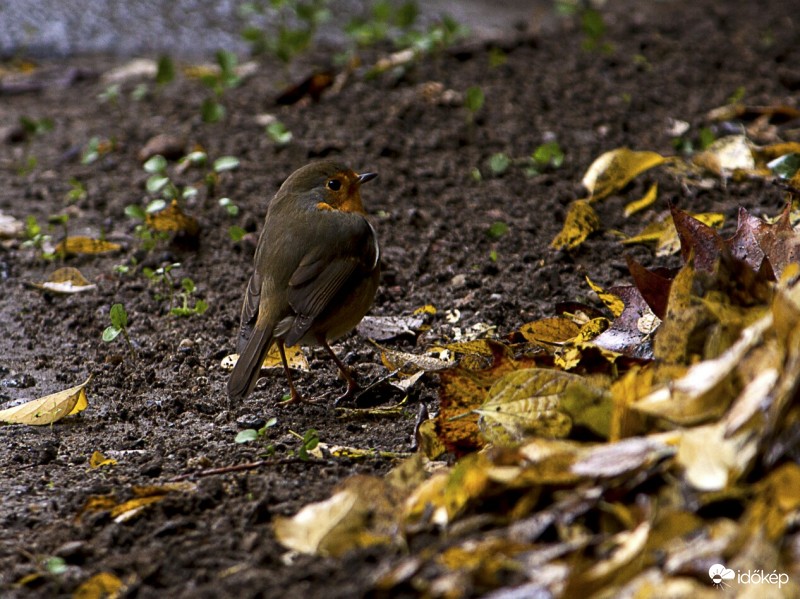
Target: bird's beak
[{"x": 364, "y": 177}]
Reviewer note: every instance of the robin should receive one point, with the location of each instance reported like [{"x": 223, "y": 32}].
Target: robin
[{"x": 317, "y": 266}]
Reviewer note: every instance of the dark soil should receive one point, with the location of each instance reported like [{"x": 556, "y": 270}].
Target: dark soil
[{"x": 166, "y": 414}]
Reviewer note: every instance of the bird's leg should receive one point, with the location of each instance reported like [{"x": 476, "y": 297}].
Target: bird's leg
[
  {"x": 296, "y": 397},
  {"x": 352, "y": 385}
]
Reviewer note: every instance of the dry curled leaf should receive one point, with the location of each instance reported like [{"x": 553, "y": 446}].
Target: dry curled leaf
[
  {"x": 65, "y": 281},
  {"x": 294, "y": 357},
  {"x": 48, "y": 409},
  {"x": 580, "y": 222},
  {"x": 173, "y": 219},
  {"x": 613, "y": 170}
]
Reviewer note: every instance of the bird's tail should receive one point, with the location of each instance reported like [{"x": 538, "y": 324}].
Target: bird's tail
[{"x": 247, "y": 370}]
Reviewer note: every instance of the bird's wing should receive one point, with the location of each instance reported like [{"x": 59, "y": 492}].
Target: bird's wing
[
  {"x": 321, "y": 275},
  {"x": 252, "y": 297}
]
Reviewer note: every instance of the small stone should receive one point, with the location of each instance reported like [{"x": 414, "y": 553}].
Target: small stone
[
  {"x": 170, "y": 147},
  {"x": 459, "y": 280},
  {"x": 254, "y": 421}
]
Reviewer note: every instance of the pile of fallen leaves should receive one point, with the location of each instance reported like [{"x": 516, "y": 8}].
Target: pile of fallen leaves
[{"x": 649, "y": 450}]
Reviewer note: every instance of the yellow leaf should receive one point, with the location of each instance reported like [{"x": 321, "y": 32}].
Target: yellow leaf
[
  {"x": 426, "y": 309},
  {"x": 86, "y": 245},
  {"x": 173, "y": 219},
  {"x": 613, "y": 170},
  {"x": 67, "y": 280},
  {"x": 359, "y": 515},
  {"x": 526, "y": 403},
  {"x": 580, "y": 222},
  {"x": 98, "y": 459},
  {"x": 665, "y": 235},
  {"x": 549, "y": 331},
  {"x": 428, "y": 440},
  {"x": 646, "y": 201},
  {"x": 100, "y": 586},
  {"x": 48, "y": 409}
]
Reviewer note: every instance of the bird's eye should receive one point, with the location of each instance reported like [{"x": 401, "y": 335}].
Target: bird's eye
[{"x": 334, "y": 184}]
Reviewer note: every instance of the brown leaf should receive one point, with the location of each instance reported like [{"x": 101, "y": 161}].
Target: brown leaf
[
  {"x": 654, "y": 285},
  {"x": 312, "y": 86},
  {"x": 464, "y": 390},
  {"x": 631, "y": 333},
  {"x": 697, "y": 239}
]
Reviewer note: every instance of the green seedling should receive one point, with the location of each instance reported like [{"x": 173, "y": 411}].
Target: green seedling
[
  {"x": 32, "y": 128},
  {"x": 77, "y": 191},
  {"x": 594, "y": 31},
  {"x": 96, "y": 149},
  {"x": 119, "y": 324},
  {"x": 163, "y": 277},
  {"x": 221, "y": 165},
  {"x": 308, "y": 442},
  {"x": 110, "y": 95},
  {"x": 55, "y": 565},
  {"x": 499, "y": 163},
  {"x": 295, "y": 25},
  {"x": 146, "y": 236},
  {"x": 231, "y": 208},
  {"x": 474, "y": 100},
  {"x": 236, "y": 233},
  {"x": 187, "y": 289},
  {"x": 384, "y": 20},
  {"x": 497, "y": 230},
  {"x": 249, "y": 435},
  {"x": 278, "y": 133},
  {"x": 165, "y": 71},
  {"x": 212, "y": 110}
]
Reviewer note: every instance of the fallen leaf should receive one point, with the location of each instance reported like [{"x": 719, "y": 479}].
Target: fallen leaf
[
  {"x": 525, "y": 403},
  {"x": 613, "y": 170},
  {"x": 358, "y": 515},
  {"x": 48, "y": 409},
  {"x": 645, "y": 201},
  {"x": 86, "y": 245},
  {"x": 726, "y": 155},
  {"x": 580, "y": 222},
  {"x": 103, "y": 585},
  {"x": 382, "y": 328},
  {"x": 65, "y": 281},
  {"x": 630, "y": 334},
  {"x": 98, "y": 459},
  {"x": 173, "y": 219},
  {"x": 613, "y": 302}
]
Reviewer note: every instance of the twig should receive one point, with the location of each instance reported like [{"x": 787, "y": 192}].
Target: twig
[{"x": 243, "y": 467}]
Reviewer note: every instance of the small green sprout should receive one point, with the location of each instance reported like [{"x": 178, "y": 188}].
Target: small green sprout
[
  {"x": 250, "y": 434},
  {"x": 188, "y": 288},
  {"x": 278, "y": 133},
  {"x": 308, "y": 442},
  {"x": 165, "y": 70},
  {"x": 231, "y": 208},
  {"x": 496, "y": 230},
  {"x": 236, "y": 233},
  {"x": 119, "y": 324},
  {"x": 77, "y": 191},
  {"x": 473, "y": 101},
  {"x": 499, "y": 163}
]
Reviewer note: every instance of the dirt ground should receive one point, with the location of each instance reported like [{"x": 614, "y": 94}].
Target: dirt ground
[{"x": 166, "y": 415}]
